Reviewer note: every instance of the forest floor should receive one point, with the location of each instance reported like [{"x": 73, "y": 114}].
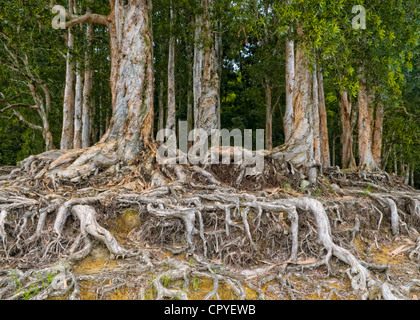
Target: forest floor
[{"x": 115, "y": 236}]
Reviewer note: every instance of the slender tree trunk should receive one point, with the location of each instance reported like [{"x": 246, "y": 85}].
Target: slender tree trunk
[
  {"x": 171, "y": 119},
  {"x": 325, "y": 146},
  {"x": 68, "y": 106},
  {"x": 347, "y": 157},
  {"x": 316, "y": 118},
  {"x": 395, "y": 162},
  {"x": 161, "y": 123},
  {"x": 87, "y": 90},
  {"x": 377, "y": 135},
  {"x": 197, "y": 66},
  {"x": 290, "y": 86},
  {"x": 77, "y": 140},
  {"x": 189, "y": 111},
  {"x": 366, "y": 161},
  {"x": 219, "y": 68},
  {"x": 407, "y": 175},
  {"x": 412, "y": 176},
  {"x": 94, "y": 129},
  {"x": 115, "y": 44},
  {"x": 268, "y": 117}
]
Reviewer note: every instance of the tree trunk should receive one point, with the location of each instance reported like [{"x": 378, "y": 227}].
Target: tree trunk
[
  {"x": 347, "y": 157},
  {"x": 290, "y": 83},
  {"x": 268, "y": 117},
  {"x": 407, "y": 175},
  {"x": 366, "y": 161},
  {"x": 197, "y": 66},
  {"x": 325, "y": 146},
  {"x": 132, "y": 118},
  {"x": 299, "y": 149},
  {"x": 412, "y": 176},
  {"x": 77, "y": 141},
  {"x": 161, "y": 123},
  {"x": 68, "y": 106},
  {"x": 316, "y": 117},
  {"x": 219, "y": 68},
  {"x": 377, "y": 135},
  {"x": 87, "y": 104},
  {"x": 207, "y": 109},
  {"x": 171, "y": 119}
]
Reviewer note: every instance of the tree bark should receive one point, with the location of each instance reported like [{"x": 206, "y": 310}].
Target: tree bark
[
  {"x": 325, "y": 146},
  {"x": 347, "y": 157},
  {"x": 68, "y": 106},
  {"x": 268, "y": 116},
  {"x": 197, "y": 66},
  {"x": 412, "y": 176},
  {"x": 171, "y": 118},
  {"x": 210, "y": 83},
  {"x": 87, "y": 90},
  {"x": 77, "y": 140},
  {"x": 132, "y": 118},
  {"x": 366, "y": 161},
  {"x": 377, "y": 135},
  {"x": 161, "y": 122},
  {"x": 299, "y": 149},
  {"x": 316, "y": 118},
  {"x": 290, "y": 83},
  {"x": 219, "y": 68}
]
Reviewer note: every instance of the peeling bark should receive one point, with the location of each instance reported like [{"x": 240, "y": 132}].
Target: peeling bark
[
  {"x": 208, "y": 118},
  {"x": 377, "y": 135},
  {"x": 78, "y": 107},
  {"x": 197, "y": 66},
  {"x": 366, "y": 161},
  {"x": 268, "y": 117},
  {"x": 290, "y": 89},
  {"x": 68, "y": 107},
  {"x": 347, "y": 157},
  {"x": 325, "y": 146},
  {"x": 299, "y": 149},
  {"x": 171, "y": 119},
  {"x": 131, "y": 122},
  {"x": 87, "y": 90},
  {"x": 316, "y": 118}
]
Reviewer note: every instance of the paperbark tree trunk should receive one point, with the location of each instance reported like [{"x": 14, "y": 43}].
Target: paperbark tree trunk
[
  {"x": 347, "y": 157},
  {"x": 219, "y": 68},
  {"x": 171, "y": 118},
  {"x": 197, "y": 66},
  {"x": 412, "y": 176},
  {"x": 377, "y": 135},
  {"x": 68, "y": 106},
  {"x": 161, "y": 122},
  {"x": 87, "y": 90},
  {"x": 299, "y": 149},
  {"x": 325, "y": 146},
  {"x": 268, "y": 117},
  {"x": 77, "y": 140},
  {"x": 210, "y": 83},
  {"x": 290, "y": 83},
  {"x": 366, "y": 161},
  {"x": 316, "y": 117},
  {"x": 131, "y": 123}
]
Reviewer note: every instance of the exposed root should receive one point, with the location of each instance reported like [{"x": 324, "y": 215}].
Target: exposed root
[{"x": 224, "y": 229}]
